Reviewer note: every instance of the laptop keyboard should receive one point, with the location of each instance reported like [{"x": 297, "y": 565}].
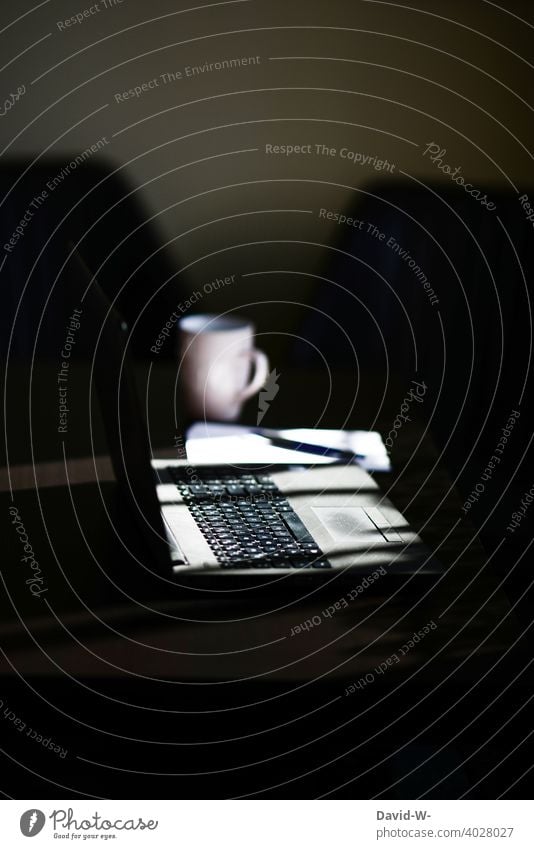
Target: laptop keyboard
[{"x": 246, "y": 521}]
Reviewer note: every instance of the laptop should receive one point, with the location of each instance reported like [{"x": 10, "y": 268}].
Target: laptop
[{"x": 227, "y": 525}]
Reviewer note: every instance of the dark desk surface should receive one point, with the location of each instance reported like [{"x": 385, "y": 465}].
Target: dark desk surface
[{"x": 112, "y": 654}]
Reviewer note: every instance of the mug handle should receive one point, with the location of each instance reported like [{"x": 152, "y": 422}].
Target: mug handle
[{"x": 261, "y": 372}]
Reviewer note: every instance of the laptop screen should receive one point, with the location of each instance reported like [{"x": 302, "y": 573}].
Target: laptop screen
[{"x": 112, "y": 376}]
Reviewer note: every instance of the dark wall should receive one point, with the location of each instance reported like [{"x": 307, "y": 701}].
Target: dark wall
[{"x": 379, "y": 81}]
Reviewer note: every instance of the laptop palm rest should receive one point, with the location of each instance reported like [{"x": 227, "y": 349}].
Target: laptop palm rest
[{"x": 345, "y": 524}]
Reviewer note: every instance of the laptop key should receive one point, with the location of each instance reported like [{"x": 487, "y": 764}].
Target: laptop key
[
  {"x": 298, "y": 529},
  {"x": 235, "y": 489}
]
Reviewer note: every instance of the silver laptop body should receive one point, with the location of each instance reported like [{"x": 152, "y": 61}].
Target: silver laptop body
[{"x": 355, "y": 527}]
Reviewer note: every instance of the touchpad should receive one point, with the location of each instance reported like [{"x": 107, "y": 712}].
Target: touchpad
[{"x": 348, "y": 523}]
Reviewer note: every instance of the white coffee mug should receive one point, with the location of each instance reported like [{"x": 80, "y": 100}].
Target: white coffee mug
[{"x": 216, "y": 355}]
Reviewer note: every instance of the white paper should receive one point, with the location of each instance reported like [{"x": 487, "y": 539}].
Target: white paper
[{"x": 209, "y": 442}]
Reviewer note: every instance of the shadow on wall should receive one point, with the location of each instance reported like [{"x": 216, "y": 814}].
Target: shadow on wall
[
  {"x": 58, "y": 202},
  {"x": 434, "y": 283}
]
